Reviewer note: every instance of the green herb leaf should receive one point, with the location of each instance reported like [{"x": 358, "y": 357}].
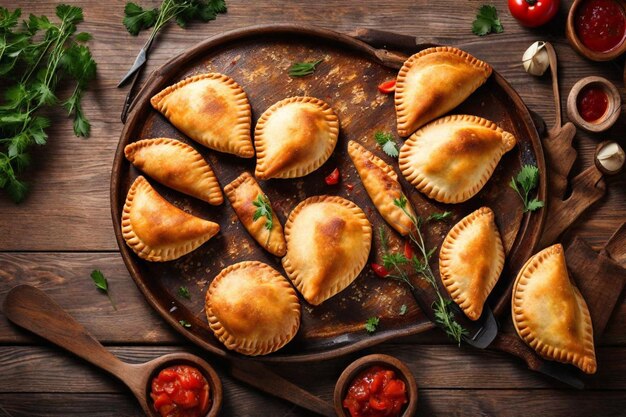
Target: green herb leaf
[
  {"x": 98, "y": 278},
  {"x": 525, "y": 182},
  {"x": 403, "y": 309},
  {"x": 393, "y": 259},
  {"x": 487, "y": 21},
  {"x": 534, "y": 204},
  {"x": 371, "y": 324},
  {"x": 102, "y": 284},
  {"x": 184, "y": 323},
  {"x": 301, "y": 69},
  {"x": 387, "y": 143},
  {"x": 137, "y": 19},
  {"x": 264, "y": 209},
  {"x": 184, "y": 292},
  {"x": 439, "y": 216}
]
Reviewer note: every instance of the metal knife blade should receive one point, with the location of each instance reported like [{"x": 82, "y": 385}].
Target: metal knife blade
[
  {"x": 140, "y": 61},
  {"x": 480, "y": 333}
]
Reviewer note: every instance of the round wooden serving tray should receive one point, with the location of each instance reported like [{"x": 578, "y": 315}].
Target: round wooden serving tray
[{"x": 258, "y": 59}]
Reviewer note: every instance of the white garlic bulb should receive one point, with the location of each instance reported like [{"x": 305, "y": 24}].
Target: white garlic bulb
[
  {"x": 611, "y": 157},
  {"x": 535, "y": 59}
]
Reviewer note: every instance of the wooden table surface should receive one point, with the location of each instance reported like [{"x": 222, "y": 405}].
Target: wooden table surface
[{"x": 63, "y": 231}]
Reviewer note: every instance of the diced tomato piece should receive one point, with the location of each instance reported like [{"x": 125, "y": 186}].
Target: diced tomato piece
[
  {"x": 387, "y": 87},
  {"x": 333, "y": 177},
  {"x": 408, "y": 249},
  {"x": 377, "y": 383},
  {"x": 161, "y": 400},
  {"x": 380, "y": 270},
  {"x": 167, "y": 375},
  {"x": 379, "y": 404},
  {"x": 395, "y": 388}
]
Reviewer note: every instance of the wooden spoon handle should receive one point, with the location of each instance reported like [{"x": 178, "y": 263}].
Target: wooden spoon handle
[
  {"x": 260, "y": 377},
  {"x": 33, "y": 310}
]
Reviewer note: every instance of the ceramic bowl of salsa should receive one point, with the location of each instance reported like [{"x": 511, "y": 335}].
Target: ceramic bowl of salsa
[
  {"x": 594, "y": 104},
  {"x": 596, "y": 29},
  {"x": 376, "y": 386}
]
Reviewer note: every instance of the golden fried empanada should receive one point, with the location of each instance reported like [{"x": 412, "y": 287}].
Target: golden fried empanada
[
  {"x": 252, "y": 308},
  {"x": 549, "y": 312},
  {"x": 381, "y": 183},
  {"x": 243, "y": 193},
  {"x": 176, "y": 165},
  {"x": 471, "y": 260},
  {"x": 157, "y": 230},
  {"x": 452, "y": 158},
  {"x": 433, "y": 82},
  {"x": 294, "y": 137},
  {"x": 211, "y": 109},
  {"x": 328, "y": 243}
]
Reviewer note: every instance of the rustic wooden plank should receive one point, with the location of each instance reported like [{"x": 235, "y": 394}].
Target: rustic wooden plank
[
  {"x": 459, "y": 403},
  {"x": 65, "y": 277},
  {"x": 69, "y": 206},
  {"x": 49, "y": 369}
]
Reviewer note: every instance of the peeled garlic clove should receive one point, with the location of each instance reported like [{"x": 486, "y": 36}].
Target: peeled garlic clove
[
  {"x": 610, "y": 157},
  {"x": 535, "y": 59}
]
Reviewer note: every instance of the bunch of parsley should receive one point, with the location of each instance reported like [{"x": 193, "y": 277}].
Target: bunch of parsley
[
  {"x": 34, "y": 58},
  {"x": 136, "y": 18}
]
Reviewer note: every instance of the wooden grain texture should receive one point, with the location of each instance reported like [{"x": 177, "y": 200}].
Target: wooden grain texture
[
  {"x": 438, "y": 367},
  {"x": 68, "y": 211},
  {"x": 458, "y": 403}
]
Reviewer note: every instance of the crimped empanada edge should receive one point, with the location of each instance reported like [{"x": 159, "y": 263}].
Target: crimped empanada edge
[
  {"x": 400, "y": 100},
  {"x": 252, "y": 348},
  {"x": 585, "y": 361},
  {"x": 259, "y": 143},
  {"x": 134, "y": 241},
  {"x": 213, "y": 194},
  {"x": 296, "y": 278},
  {"x": 244, "y": 116},
  {"x": 468, "y": 305}
]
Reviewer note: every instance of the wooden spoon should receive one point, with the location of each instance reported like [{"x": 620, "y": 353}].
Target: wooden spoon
[{"x": 33, "y": 310}]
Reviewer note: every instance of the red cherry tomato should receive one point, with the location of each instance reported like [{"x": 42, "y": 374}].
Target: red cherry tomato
[
  {"x": 408, "y": 249},
  {"x": 533, "y": 13},
  {"x": 380, "y": 270},
  {"x": 387, "y": 87},
  {"x": 333, "y": 177}
]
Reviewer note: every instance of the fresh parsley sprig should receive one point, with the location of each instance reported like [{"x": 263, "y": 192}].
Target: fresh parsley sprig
[
  {"x": 526, "y": 181},
  {"x": 301, "y": 69},
  {"x": 421, "y": 265},
  {"x": 371, "y": 324},
  {"x": 264, "y": 209},
  {"x": 34, "y": 58},
  {"x": 136, "y": 18},
  {"x": 387, "y": 143},
  {"x": 102, "y": 284},
  {"x": 487, "y": 21}
]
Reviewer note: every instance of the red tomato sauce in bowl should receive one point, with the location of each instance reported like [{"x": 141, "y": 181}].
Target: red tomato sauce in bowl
[
  {"x": 601, "y": 24},
  {"x": 592, "y": 103},
  {"x": 376, "y": 392},
  {"x": 180, "y": 391}
]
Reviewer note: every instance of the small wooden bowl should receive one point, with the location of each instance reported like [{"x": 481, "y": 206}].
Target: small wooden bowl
[
  {"x": 385, "y": 361},
  {"x": 183, "y": 358},
  {"x": 577, "y": 44},
  {"x": 611, "y": 114}
]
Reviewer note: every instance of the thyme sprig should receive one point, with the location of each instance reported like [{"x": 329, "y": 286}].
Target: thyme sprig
[{"x": 420, "y": 264}]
